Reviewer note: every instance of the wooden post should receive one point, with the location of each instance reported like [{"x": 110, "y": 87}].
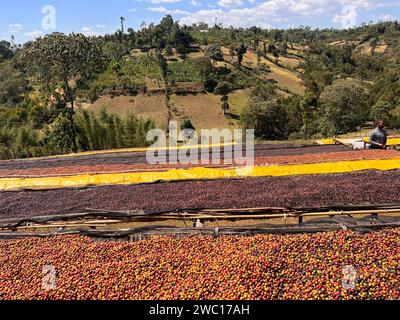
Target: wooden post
[
  {"x": 216, "y": 233},
  {"x": 300, "y": 219},
  {"x": 136, "y": 237}
]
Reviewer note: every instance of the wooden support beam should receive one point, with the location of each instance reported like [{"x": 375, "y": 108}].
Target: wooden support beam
[{"x": 87, "y": 221}]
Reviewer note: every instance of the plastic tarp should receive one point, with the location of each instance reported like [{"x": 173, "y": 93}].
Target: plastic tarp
[
  {"x": 47, "y": 183},
  {"x": 391, "y": 141},
  {"x": 326, "y": 141}
]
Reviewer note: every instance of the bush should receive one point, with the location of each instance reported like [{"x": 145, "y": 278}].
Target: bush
[
  {"x": 187, "y": 125},
  {"x": 223, "y": 88},
  {"x": 189, "y": 70},
  {"x": 210, "y": 85},
  {"x": 62, "y": 133}
]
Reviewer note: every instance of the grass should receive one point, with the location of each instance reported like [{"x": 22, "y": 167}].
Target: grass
[
  {"x": 143, "y": 106},
  {"x": 238, "y": 100},
  {"x": 204, "y": 110},
  {"x": 285, "y": 78}
]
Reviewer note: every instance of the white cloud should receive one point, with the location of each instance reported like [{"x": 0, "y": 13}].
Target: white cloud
[
  {"x": 88, "y": 31},
  {"x": 34, "y": 34},
  {"x": 236, "y": 18},
  {"x": 264, "y": 13},
  {"x": 168, "y": 11},
  {"x": 101, "y": 26},
  {"x": 384, "y": 18},
  {"x": 164, "y": 1},
  {"x": 195, "y": 3},
  {"x": 132, "y": 10},
  {"x": 357, "y": 3},
  {"x": 230, "y": 3},
  {"x": 15, "y": 27}
]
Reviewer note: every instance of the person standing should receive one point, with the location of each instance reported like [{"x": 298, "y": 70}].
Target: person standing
[{"x": 378, "y": 137}]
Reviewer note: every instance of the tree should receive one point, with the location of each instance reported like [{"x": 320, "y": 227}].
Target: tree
[
  {"x": 214, "y": 52},
  {"x": 6, "y": 52},
  {"x": 167, "y": 23},
  {"x": 61, "y": 133},
  {"x": 381, "y": 111},
  {"x": 266, "y": 117},
  {"x": 225, "y": 104},
  {"x": 12, "y": 84},
  {"x": 223, "y": 88},
  {"x": 395, "y": 117},
  {"x": 240, "y": 52},
  {"x": 168, "y": 51},
  {"x": 64, "y": 59},
  {"x": 210, "y": 85},
  {"x": 187, "y": 124},
  {"x": 188, "y": 128},
  {"x": 264, "y": 91},
  {"x": 122, "y": 24},
  {"x": 180, "y": 38},
  {"x": 308, "y": 107},
  {"x": 343, "y": 107},
  {"x": 25, "y": 142},
  {"x": 273, "y": 50},
  {"x": 259, "y": 55}
]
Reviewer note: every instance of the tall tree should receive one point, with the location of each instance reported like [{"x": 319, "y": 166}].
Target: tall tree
[
  {"x": 343, "y": 107},
  {"x": 64, "y": 59},
  {"x": 122, "y": 24},
  {"x": 308, "y": 107},
  {"x": 240, "y": 52},
  {"x": 223, "y": 88}
]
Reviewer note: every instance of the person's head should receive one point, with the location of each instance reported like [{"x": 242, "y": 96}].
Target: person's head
[{"x": 381, "y": 124}]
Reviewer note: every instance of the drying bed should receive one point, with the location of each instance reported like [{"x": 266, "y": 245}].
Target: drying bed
[
  {"x": 140, "y": 158},
  {"x": 290, "y": 191},
  {"x": 334, "y": 265},
  {"x": 260, "y": 161}
]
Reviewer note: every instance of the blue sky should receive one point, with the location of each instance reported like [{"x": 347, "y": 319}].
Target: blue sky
[{"x": 24, "y": 18}]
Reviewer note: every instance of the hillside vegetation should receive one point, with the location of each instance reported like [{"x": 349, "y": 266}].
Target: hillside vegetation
[{"x": 61, "y": 92}]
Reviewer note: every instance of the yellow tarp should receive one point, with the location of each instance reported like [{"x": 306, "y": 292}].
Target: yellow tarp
[
  {"x": 391, "y": 141},
  {"x": 326, "y": 141},
  {"x": 8, "y": 184}
]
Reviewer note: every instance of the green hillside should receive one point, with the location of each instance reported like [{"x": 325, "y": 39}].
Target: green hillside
[{"x": 60, "y": 93}]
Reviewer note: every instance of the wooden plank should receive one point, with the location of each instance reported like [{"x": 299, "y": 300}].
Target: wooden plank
[{"x": 209, "y": 217}]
